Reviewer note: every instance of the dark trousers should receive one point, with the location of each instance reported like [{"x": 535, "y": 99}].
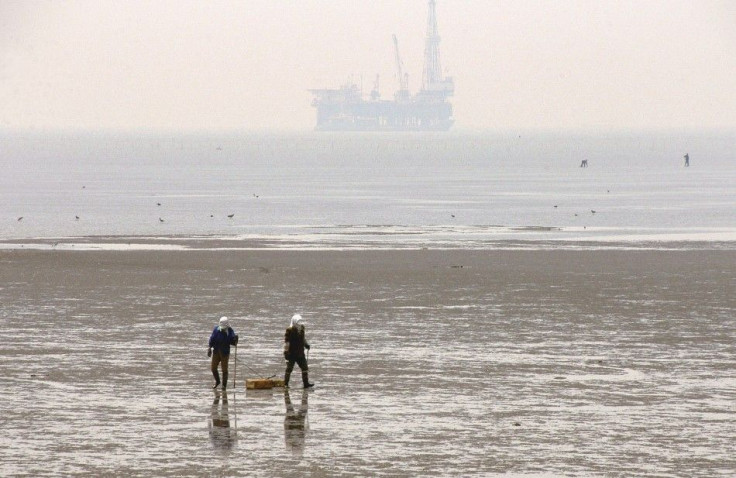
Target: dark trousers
[
  {"x": 219, "y": 359},
  {"x": 301, "y": 361}
]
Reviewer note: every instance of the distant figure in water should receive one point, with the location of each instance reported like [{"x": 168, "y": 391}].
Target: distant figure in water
[
  {"x": 294, "y": 344},
  {"x": 584, "y": 163},
  {"x": 223, "y": 336},
  {"x": 687, "y": 160}
]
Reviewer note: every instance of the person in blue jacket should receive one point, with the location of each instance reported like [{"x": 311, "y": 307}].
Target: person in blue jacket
[{"x": 223, "y": 336}]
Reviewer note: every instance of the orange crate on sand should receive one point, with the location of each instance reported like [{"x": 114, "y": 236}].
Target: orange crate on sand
[{"x": 263, "y": 383}]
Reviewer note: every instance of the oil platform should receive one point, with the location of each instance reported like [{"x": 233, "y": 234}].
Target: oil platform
[{"x": 346, "y": 109}]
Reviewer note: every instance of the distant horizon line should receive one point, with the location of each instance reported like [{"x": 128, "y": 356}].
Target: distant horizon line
[{"x": 455, "y": 131}]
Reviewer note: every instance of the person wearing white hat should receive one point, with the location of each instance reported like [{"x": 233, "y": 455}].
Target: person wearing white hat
[
  {"x": 294, "y": 344},
  {"x": 222, "y": 337}
]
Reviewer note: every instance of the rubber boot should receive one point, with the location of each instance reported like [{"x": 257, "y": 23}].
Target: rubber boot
[
  {"x": 224, "y": 380},
  {"x": 305, "y": 380},
  {"x": 217, "y": 378}
]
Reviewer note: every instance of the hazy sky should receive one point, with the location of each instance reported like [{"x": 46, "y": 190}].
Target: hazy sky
[{"x": 217, "y": 64}]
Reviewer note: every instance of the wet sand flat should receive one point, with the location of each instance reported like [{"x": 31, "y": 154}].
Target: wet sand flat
[{"x": 441, "y": 363}]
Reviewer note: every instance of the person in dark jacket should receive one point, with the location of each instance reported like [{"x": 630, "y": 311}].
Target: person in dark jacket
[
  {"x": 294, "y": 345},
  {"x": 223, "y": 336}
]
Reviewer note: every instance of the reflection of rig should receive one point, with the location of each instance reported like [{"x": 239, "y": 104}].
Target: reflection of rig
[{"x": 345, "y": 108}]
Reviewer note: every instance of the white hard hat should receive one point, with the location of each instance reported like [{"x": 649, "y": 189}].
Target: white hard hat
[{"x": 296, "y": 319}]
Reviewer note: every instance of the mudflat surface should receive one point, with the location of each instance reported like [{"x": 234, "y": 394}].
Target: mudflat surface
[{"x": 454, "y": 363}]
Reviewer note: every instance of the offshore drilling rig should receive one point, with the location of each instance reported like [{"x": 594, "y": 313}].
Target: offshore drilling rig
[{"x": 346, "y": 109}]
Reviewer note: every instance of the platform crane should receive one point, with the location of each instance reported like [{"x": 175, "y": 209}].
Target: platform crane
[{"x": 403, "y": 92}]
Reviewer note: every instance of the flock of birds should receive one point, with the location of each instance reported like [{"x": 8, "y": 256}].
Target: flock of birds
[
  {"x": 160, "y": 219},
  {"x": 230, "y": 216},
  {"x": 592, "y": 211}
]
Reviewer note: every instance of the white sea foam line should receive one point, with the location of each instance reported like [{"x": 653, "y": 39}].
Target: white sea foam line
[
  {"x": 461, "y": 235},
  {"x": 344, "y": 247},
  {"x": 399, "y": 238},
  {"x": 411, "y": 307},
  {"x": 450, "y": 233},
  {"x": 656, "y": 237},
  {"x": 94, "y": 247},
  {"x": 388, "y": 229},
  {"x": 627, "y": 375}
]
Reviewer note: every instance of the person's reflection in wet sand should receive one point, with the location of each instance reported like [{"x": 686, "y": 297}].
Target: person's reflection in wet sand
[
  {"x": 221, "y": 434},
  {"x": 296, "y": 424}
]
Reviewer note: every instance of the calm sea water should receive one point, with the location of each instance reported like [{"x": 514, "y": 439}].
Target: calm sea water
[{"x": 457, "y": 190}]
